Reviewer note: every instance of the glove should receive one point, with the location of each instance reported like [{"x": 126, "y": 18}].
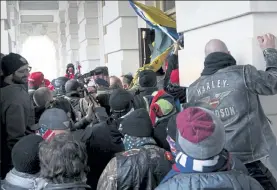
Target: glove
[{"x": 177, "y": 92}]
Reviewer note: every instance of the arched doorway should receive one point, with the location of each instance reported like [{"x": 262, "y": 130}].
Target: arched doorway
[{"x": 40, "y": 52}]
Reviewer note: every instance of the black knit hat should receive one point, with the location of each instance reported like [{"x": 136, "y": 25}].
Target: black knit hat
[
  {"x": 11, "y": 62},
  {"x": 171, "y": 127},
  {"x": 137, "y": 124},
  {"x": 25, "y": 154},
  {"x": 147, "y": 78},
  {"x": 69, "y": 65},
  {"x": 120, "y": 100}
]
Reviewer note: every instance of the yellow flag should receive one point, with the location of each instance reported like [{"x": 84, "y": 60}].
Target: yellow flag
[
  {"x": 155, "y": 65},
  {"x": 156, "y": 16}
]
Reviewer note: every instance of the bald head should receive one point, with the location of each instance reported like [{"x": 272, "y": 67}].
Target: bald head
[
  {"x": 115, "y": 82},
  {"x": 42, "y": 96},
  {"x": 215, "y": 45}
]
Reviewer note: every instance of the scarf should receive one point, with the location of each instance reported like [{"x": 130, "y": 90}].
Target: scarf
[
  {"x": 186, "y": 164},
  {"x": 216, "y": 61},
  {"x": 131, "y": 142}
]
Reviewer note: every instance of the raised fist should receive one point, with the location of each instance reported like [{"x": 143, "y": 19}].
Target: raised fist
[{"x": 267, "y": 41}]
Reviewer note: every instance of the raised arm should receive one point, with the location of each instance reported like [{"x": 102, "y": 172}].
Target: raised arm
[{"x": 264, "y": 82}]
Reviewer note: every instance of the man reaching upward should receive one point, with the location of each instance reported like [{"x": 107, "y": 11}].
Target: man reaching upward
[{"x": 232, "y": 92}]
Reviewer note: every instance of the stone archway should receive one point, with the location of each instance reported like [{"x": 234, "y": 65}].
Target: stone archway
[
  {"x": 46, "y": 30},
  {"x": 41, "y": 55}
]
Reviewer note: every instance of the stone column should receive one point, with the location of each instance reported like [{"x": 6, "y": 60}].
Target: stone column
[
  {"x": 71, "y": 32},
  {"x": 120, "y": 28},
  {"x": 62, "y": 43},
  {"x": 6, "y": 43},
  {"x": 237, "y": 23},
  {"x": 14, "y": 21},
  {"x": 88, "y": 35},
  {"x": 101, "y": 33}
]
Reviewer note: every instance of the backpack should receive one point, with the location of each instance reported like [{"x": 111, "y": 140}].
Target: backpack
[{"x": 75, "y": 103}]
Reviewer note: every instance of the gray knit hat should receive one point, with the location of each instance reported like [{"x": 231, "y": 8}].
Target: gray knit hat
[{"x": 200, "y": 134}]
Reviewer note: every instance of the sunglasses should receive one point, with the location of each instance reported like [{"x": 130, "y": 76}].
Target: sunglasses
[{"x": 25, "y": 70}]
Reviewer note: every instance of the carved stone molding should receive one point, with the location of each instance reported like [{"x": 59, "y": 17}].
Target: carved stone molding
[{"x": 39, "y": 29}]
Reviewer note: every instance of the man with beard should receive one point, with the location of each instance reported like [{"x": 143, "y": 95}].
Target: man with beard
[{"x": 17, "y": 112}]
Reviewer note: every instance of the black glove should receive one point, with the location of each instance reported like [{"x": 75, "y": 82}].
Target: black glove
[{"x": 177, "y": 92}]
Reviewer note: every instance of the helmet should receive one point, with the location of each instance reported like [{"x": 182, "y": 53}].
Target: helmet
[{"x": 59, "y": 85}]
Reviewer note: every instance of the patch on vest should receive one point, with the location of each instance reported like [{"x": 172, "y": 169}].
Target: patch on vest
[
  {"x": 215, "y": 101},
  {"x": 169, "y": 156}
]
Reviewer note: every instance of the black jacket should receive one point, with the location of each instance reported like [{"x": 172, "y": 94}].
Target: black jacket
[
  {"x": 160, "y": 133},
  {"x": 139, "y": 101},
  {"x": 102, "y": 140},
  {"x": 172, "y": 64},
  {"x": 38, "y": 112},
  {"x": 75, "y": 103},
  {"x": 17, "y": 115},
  {"x": 136, "y": 169}
]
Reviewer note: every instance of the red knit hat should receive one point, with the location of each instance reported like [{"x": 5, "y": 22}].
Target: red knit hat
[
  {"x": 201, "y": 134},
  {"x": 174, "y": 76},
  {"x": 35, "y": 80}
]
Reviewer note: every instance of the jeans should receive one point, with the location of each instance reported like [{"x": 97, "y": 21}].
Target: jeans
[{"x": 261, "y": 173}]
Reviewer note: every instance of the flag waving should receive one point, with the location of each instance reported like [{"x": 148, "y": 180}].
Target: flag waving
[
  {"x": 156, "y": 18},
  {"x": 165, "y": 35}
]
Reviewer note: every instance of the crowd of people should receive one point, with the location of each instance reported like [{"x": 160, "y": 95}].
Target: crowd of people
[{"x": 95, "y": 131}]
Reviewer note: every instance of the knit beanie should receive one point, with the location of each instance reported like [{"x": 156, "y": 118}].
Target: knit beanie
[
  {"x": 25, "y": 154},
  {"x": 11, "y": 62},
  {"x": 35, "y": 80},
  {"x": 162, "y": 104},
  {"x": 120, "y": 100},
  {"x": 69, "y": 65},
  {"x": 174, "y": 76},
  {"x": 137, "y": 124},
  {"x": 200, "y": 134},
  {"x": 147, "y": 78}
]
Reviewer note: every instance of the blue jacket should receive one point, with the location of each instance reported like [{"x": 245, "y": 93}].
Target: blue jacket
[{"x": 232, "y": 179}]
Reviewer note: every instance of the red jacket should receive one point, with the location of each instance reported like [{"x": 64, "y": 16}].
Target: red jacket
[{"x": 70, "y": 76}]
